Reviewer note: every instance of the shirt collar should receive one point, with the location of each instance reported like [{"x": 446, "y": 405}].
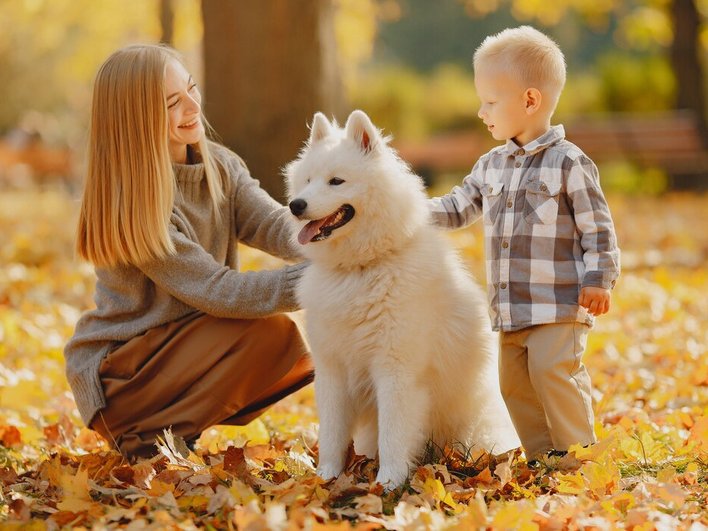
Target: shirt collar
[{"x": 550, "y": 137}]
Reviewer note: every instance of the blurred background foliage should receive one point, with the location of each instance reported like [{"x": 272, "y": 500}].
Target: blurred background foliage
[{"x": 406, "y": 62}]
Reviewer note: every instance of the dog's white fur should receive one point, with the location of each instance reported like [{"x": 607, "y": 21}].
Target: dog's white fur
[{"x": 400, "y": 335}]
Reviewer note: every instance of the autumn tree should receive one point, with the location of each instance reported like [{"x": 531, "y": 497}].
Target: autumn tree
[
  {"x": 268, "y": 66},
  {"x": 167, "y": 20}
]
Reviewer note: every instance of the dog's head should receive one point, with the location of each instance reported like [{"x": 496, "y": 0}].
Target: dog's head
[{"x": 349, "y": 189}]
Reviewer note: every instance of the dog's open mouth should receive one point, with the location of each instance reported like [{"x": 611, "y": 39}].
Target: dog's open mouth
[{"x": 320, "y": 229}]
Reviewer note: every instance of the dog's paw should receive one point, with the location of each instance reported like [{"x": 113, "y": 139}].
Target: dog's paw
[
  {"x": 391, "y": 478},
  {"x": 329, "y": 471}
]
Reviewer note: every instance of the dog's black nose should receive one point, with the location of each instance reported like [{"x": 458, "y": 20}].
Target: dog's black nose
[{"x": 298, "y": 206}]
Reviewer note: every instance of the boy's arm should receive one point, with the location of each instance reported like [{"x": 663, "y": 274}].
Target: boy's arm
[
  {"x": 462, "y": 206},
  {"x": 594, "y": 223}
]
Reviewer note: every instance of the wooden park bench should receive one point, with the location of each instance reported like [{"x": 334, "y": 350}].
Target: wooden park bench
[
  {"x": 27, "y": 160},
  {"x": 670, "y": 141}
]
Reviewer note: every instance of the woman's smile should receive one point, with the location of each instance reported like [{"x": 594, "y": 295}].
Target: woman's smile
[{"x": 191, "y": 124}]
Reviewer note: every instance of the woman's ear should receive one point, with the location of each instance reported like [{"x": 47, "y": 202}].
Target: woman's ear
[{"x": 533, "y": 99}]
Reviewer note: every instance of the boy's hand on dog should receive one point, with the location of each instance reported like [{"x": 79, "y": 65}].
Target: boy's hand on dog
[{"x": 596, "y": 300}]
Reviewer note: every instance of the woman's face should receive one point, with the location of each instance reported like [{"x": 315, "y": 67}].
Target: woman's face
[{"x": 184, "y": 110}]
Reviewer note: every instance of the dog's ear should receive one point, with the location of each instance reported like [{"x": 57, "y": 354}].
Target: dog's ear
[
  {"x": 360, "y": 129},
  {"x": 320, "y": 128}
]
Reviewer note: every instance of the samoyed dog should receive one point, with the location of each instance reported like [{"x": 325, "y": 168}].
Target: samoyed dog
[{"x": 399, "y": 331}]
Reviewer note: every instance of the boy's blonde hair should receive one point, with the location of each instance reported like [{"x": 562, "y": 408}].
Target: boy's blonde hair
[
  {"x": 526, "y": 53},
  {"x": 130, "y": 183}
]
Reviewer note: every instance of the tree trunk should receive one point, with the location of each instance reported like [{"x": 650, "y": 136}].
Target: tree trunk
[
  {"x": 167, "y": 21},
  {"x": 268, "y": 66},
  {"x": 689, "y": 72},
  {"x": 684, "y": 57}
]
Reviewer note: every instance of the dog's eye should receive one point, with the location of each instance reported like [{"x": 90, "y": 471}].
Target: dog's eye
[{"x": 335, "y": 181}]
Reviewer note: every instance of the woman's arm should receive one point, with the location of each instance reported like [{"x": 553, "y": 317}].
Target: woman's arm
[
  {"x": 260, "y": 221},
  {"x": 195, "y": 278}
]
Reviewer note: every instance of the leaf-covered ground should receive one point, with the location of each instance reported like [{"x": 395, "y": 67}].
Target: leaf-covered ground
[{"x": 647, "y": 358}]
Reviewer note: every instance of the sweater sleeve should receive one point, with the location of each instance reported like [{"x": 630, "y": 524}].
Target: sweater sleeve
[
  {"x": 195, "y": 278},
  {"x": 260, "y": 221}
]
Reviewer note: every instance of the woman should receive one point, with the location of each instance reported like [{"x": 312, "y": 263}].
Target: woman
[{"x": 179, "y": 337}]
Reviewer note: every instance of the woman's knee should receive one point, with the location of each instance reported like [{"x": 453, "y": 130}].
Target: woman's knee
[
  {"x": 281, "y": 330},
  {"x": 278, "y": 322}
]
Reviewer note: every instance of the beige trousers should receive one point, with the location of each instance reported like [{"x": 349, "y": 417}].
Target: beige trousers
[
  {"x": 546, "y": 387},
  {"x": 197, "y": 372}
]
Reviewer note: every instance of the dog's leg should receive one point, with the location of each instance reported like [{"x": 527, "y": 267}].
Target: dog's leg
[
  {"x": 403, "y": 412},
  {"x": 366, "y": 433},
  {"x": 336, "y": 417}
]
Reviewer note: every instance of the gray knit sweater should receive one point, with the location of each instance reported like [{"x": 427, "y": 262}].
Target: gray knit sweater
[{"x": 202, "y": 276}]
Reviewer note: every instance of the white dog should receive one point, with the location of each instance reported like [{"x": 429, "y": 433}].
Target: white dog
[{"x": 400, "y": 336}]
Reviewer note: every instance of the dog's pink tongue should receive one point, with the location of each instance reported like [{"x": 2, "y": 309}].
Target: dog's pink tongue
[{"x": 310, "y": 230}]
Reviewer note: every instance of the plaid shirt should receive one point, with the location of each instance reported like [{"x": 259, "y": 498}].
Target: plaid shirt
[{"x": 548, "y": 229}]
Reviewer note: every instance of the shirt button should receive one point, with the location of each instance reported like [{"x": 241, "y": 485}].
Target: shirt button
[
  {"x": 544, "y": 188},
  {"x": 517, "y": 165},
  {"x": 510, "y": 204},
  {"x": 505, "y": 244},
  {"x": 520, "y": 152},
  {"x": 502, "y": 285}
]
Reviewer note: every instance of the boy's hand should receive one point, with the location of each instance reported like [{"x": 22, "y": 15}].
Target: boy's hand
[{"x": 596, "y": 300}]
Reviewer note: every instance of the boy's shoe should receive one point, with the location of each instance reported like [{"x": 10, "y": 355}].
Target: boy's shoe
[
  {"x": 192, "y": 444},
  {"x": 547, "y": 459},
  {"x": 556, "y": 453}
]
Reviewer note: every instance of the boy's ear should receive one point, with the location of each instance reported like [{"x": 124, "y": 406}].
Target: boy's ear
[
  {"x": 320, "y": 128},
  {"x": 533, "y": 99},
  {"x": 360, "y": 129}
]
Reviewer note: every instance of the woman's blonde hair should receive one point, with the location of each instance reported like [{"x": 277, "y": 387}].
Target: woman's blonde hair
[
  {"x": 130, "y": 183},
  {"x": 529, "y": 55}
]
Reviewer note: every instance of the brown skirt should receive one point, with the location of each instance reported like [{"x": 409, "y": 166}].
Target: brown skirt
[{"x": 197, "y": 372}]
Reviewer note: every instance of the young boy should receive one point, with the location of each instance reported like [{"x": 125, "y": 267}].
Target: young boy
[{"x": 552, "y": 255}]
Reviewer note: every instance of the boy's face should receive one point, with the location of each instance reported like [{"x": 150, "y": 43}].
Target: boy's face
[{"x": 504, "y": 105}]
